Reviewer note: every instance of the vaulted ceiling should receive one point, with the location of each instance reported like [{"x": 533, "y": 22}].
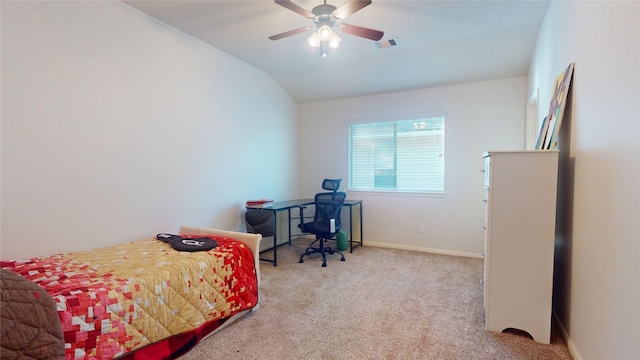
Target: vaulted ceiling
[{"x": 438, "y": 42}]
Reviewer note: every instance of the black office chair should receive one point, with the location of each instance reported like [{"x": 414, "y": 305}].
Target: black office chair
[
  {"x": 326, "y": 223},
  {"x": 327, "y": 184}
]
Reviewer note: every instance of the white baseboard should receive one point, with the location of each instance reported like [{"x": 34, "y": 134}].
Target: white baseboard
[
  {"x": 570, "y": 345},
  {"x": 423, "y": 249}
]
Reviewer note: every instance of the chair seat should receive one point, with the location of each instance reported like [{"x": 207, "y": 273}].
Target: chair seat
[{"x": 306, "y": 227}]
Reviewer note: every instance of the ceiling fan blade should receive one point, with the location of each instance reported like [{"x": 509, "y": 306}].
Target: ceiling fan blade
[
  {"x": 362, "y": 32},
  {"x": 350, "y": 7},
  {"x": 295, "y": 8},
  {"x": 290, "y": 32}
]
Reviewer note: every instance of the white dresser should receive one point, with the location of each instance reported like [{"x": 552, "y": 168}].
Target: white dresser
[{"x": 520, "y": 196}]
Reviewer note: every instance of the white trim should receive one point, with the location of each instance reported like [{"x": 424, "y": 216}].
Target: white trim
[
  {"x": 570, "y": 345},
  {"x": 398, "y": 117},
  {"x": 423, "y": 249}
]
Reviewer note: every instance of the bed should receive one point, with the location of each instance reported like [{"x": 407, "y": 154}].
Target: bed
[{"x": 138, "y": 300}]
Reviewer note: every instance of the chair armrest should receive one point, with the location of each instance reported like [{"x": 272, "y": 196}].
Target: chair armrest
[
  {"x": 301, "y": 207},
  {"x": 303, "y": 228}
]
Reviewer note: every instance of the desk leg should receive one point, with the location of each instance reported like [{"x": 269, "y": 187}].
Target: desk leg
[
  {"x": 361, "y": 242},
  {"x": 275, "y": 239},
  {"x": 350, "y": 229},
  {"x": 361, "y": 221},
  {"x": 275, "y": 236},
  {"x": 289, "y": 233}
]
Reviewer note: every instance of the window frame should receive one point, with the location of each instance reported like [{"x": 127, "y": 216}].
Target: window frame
[{"x": 395, "y": 119}]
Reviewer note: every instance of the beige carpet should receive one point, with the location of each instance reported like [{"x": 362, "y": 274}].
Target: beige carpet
[{"x": 378, "y": 304}]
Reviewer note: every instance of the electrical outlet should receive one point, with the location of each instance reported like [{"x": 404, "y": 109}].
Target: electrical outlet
[{"x": 420, "y": 227}]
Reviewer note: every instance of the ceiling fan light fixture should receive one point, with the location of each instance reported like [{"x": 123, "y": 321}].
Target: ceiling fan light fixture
[
  {"x": 334, "y": 41},
  {"x": 325, "y": 36},
  {"x": 325, "y": 33},
  {"x": 314, "y": 40},
  {"x": 327, "y": 18}
]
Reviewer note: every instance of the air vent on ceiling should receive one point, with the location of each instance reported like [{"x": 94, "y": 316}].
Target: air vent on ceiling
[{"x": 386, "y": 43}]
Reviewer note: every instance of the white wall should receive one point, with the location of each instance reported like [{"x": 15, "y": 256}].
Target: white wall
[
  {"x": 597, "y": 280},
  {"x": 116, "y": 127},
  {"x": 480, "y": 117}
]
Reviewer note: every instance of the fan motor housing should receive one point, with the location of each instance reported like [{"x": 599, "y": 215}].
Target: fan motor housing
[{"x": 323, "y": 10}]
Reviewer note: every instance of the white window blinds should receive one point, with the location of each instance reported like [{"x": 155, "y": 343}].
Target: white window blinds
[{"x": 406, "y": 155}]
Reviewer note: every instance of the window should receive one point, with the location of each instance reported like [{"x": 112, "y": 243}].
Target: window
[{"x": 405, "y": 155}]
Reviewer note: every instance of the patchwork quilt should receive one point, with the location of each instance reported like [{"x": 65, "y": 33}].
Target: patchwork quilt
[{"x": 115, "y": 300}]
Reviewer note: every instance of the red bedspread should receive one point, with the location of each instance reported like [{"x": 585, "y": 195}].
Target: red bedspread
[{"x": 143, "y": 295}]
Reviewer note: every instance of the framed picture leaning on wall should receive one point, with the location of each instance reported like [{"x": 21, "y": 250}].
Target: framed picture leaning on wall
[{"x": 547, "y": 138}]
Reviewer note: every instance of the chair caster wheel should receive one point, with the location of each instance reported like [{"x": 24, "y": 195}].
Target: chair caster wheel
[
  {"x": 324, "y": 264},
  {"x": 301, "y": 261},
  {"x": 342, "y": 259}
]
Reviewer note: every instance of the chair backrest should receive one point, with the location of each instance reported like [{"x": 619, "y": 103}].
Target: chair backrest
[
  {"x": 331, "y": 184},
  {"x": 328, "y": 206}
]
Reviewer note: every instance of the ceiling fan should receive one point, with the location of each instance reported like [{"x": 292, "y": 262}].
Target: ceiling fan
[{"x": 327, "y": 18}]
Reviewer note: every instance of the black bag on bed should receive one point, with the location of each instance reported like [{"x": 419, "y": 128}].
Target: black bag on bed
[{"x": 187, "y": 244}]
